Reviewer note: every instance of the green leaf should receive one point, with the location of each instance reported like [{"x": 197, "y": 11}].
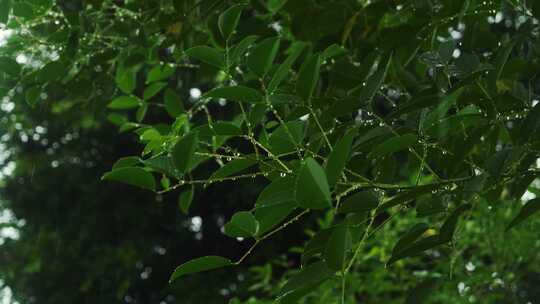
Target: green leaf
[
  {"x": 284, "y": 69},
  {"x": 23, "y": 10},
  {"x": 375, "y": 81},
  {"x": 427, "y": 207},
  {"x": 165, "y": 182},
  {"x": 309, "y": 275},
  {"x": 334, "y": 50},
  {"x": 53, "y": 70},
  {"x": 233, "y": 167},
  {"x": 295, "y": 296},
  {"x": 5, "y": 9},
  {"x": 408, "y": 195},
  {"x": 242, "y": 224},
  {"x": 141, "y": 112},
  {"x": 359, "y": 202},
  {"x": 124, "y": 102},
  {"x": 269, "y": 215},
  {"x": 312, "y": 190},
  {"x": 153, "y": 89},
  {"x": 392, "y": 145},
  {"x": 275, "y": 5},
  {"x": 338, "y": 158},
  {"x": 117, "y": 119},
  {"x": 530, "y": 208},
  {"x": 160, "y": 72},
  {"x": 275, "y": 203},
  {"x": 262, "y": 56},
  {"x": 9, "y": 66},
  {"x": 468, "y": 63},
  {"x": 183, "y": 152},
  {"x": 238, "y": 51},
  {"x": 440, "y": 111},
  {"x": 228, "y": 20},
  {"x": 446, "y": 49},
  {"x": 199, "y": 265},
  {"x": 337, "y": 246},
  {"x": 220, "y": 128},
  {"x": 207, "y": 55},
  {"x": 416, "y": 248},
  {"x": 308, "y": 77},
  {"x": 236, "y": 93},
  {"x": 408, "y": 238},
  {"x": 226, "y": 129},
  {"x": 500, "y": 61},
  {"x": 126, "y": 79},
  {"x": 184, "y": 200},
  {"x": 128, "y": 161},
  {"x": 32, "y": 96},
  {"x": 162, "y": 164},
  {"x": 279, "y": 191},
  {"x": 316, "y": 245},
  {"x": 455, "y": 124},
  {"x": 413, "y": 105},
  {"x": 530, "y": 125},
  {"x": 449, "y": 226},
  {"x": 133, "y": 176},
  {"x": 173, "y": 104},
  {"x": 497, "y": 163},
  {"x": 149, "y": 135},
  {"x": 280, "y": 140}
]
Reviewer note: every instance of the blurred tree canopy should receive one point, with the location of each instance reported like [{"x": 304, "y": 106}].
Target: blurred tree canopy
[{"x": 300, "y": 151}]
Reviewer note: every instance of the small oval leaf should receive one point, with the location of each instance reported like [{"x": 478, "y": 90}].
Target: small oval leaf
[
  {"x": 236, "y": 93},
  {"x": 228, "y": 20},
  {"x": 242, "y": 224},
  {"x": 153, "y": 89},
  {"x": 199, "y": 265},
  {"x": 134, "y": 176},
  {"x": 449, "y": 226},
  {"x": 124, "y": 102},
  {"x": 308, "y": 77},
  {"x": 184, "y": 151},
  {"x": 339, "y": 157},
  {"x": 375, "y": 81},
  {"x": 392, "y": 145},
  {"x": 281, "y": 74},
  {"x": 269, "y": 216},
  {"x": 233, "y": 167},
  {"x": 262, "y": 56},
  {"x": 312, "y": 190},
  {"x": 184, "y": 200},
  {"x": 408, "y": 238},
  {"x": 173, "y": 104},
  {"x": 337, "y": 247},
  {"x": 359, "y": 202},
  {"x": 207, "y": 55},
  {"x": 279, "y": 191}
]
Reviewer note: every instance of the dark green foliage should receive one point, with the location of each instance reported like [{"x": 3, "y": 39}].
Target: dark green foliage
[{"x": 340, "y": 118}]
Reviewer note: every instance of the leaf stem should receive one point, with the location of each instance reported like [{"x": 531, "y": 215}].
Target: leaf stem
[{"x": 320, "y": 128}]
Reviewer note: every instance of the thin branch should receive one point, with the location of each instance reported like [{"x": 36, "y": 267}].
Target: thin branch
[{"x": 294, "y": 219}]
